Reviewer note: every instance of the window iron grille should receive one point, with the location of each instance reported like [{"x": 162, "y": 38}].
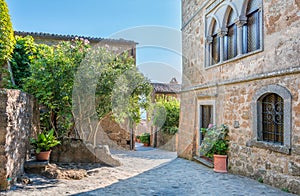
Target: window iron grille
[
  {"x": 273, "y": 119},
  {"x": 253, "y": 5},
  {"x": 253, "y": 32},
  {"x": 215, "y": 50}
]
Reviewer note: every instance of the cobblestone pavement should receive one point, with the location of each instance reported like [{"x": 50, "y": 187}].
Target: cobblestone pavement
[{"x": 149, "y": 171}]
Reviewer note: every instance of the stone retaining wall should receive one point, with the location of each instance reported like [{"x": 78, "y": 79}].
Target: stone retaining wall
[
  {"x": 116, "y": 133},
  {"x": 19, "y": 120}
]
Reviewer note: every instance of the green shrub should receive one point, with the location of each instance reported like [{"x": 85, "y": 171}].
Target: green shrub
[
  {"x": 145, "y": 138},
  {"x": 24, "y": 52},
  {"x": 166, "y": 114}
]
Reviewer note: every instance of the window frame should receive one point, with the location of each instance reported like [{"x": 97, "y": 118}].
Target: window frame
[
  {"x": 200, "y": 104},
  {"x": 261, "y": 129},
  {"x": 241, "y": 34},
  {"x": 287, "y": 99},
  {"x": 234, "y": 37}
]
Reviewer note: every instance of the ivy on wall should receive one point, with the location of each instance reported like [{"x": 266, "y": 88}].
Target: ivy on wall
[
  {"x": 7, "y": 41},
  {"x": 24, "y": 52}
]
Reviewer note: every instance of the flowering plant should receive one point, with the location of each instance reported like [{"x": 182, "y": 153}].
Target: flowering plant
[{"x": 215, "y": 141}]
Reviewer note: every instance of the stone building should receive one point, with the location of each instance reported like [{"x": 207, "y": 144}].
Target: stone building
[
  {"x": 116, "y": 45},
  {"x": 170, "y": 89},
  {"x": 241, "y": 68},
  {"x": 165, "y": 91}
]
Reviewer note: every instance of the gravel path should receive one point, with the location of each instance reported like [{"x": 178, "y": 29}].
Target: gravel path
[{"x": 148, "y": 171}]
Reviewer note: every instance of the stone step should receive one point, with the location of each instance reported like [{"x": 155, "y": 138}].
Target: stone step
[
  {"x": 34, "y": 166},
  {"x": 204, "y": 161}
]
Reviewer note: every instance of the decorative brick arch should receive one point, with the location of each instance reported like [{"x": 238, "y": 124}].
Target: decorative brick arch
[{"x": 287, "y": 98}]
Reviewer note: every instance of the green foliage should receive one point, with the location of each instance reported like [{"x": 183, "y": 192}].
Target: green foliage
[
  {"x": 260, "y": 179},
  {"x": 215, "y": 141},
  {"x": 168, "y": 107},
  {"x": 7, "y": 40},
  {"x": 24, "y": 52},
  {"x": 122, "y": 89},
  {"x": 51, "y": 82},
  {"x": 145, "y": 138},
  {"x": 285, "y": 190},
  {"x": 52, "y": 79},
  {"x": 44, "y": 141}
]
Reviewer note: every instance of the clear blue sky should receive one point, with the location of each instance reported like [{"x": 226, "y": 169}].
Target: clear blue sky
[{"x": 106, "y": 18}]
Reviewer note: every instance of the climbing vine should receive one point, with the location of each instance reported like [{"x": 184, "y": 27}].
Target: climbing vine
[
  {"x": 7, "y": 41},
  {"x": 24, "y": 52}
]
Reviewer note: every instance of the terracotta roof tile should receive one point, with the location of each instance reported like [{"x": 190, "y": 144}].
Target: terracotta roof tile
[
  {"x": 69, "y": 37},
  {"x": 166, "y": 88}
]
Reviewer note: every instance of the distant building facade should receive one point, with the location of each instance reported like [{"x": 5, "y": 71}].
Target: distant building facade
[
  {"x": 241, "y": 68},
  {"x": 171, "y": 89},
  {"x": 165, "y": 91},
  {"x": 116, "y": 45}
]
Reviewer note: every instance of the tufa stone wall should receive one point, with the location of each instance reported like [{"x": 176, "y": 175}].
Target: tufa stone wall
[
  {"x": 232, "y": 86},
  {"x": 76, "y": 151},
  {"x": 19, "y": 120},
  {"x": 115, "y": 132},
  {"x": 166, "y": 142}
]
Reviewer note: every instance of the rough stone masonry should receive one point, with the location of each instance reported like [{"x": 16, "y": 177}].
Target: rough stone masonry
[
  {"x": 231, "y": 86},
  {"x": 19, "y": 120}
]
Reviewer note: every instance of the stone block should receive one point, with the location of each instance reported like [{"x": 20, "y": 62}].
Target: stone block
[
  {"x": 294, "y": 169},
  {"x": 294, "y": 186},
  {"x": 36, "y": 167}
]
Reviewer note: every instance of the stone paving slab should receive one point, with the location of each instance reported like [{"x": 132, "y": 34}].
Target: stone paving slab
[
  {"x": 183, "y": 177},
  {"x": 148, "y": 171}
]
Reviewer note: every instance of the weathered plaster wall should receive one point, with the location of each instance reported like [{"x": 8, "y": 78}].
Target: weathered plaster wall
[{"x": 19, "y": 116}]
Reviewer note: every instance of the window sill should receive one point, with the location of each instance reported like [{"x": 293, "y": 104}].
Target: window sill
[
  {"x": 235, "y": 59},
  {"x": 269, "y": 146}
]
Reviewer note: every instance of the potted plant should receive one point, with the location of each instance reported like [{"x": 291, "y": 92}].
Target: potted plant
[
  {"x": 145, "y": 139},
  {"x": 138, "y": 138},
  {"x": 215, "y": 145},
  {"x": 43, "y": 145}
]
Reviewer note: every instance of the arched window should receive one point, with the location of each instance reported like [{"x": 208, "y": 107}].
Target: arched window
[
  {"x": 230, "y": 41},
  {"x": 272, "y": 114},
  {"x": 272, "y": 118},
  {"x": 251, "y": 31},
  {"x": 215, "y": 45}
]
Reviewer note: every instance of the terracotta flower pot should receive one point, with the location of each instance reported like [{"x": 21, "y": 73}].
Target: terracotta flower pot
[
  {"x": 43, "y": 156},
  {"x": 146, "y": 144},
  {"x": 220, "y": 163}
]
